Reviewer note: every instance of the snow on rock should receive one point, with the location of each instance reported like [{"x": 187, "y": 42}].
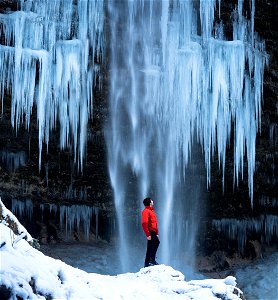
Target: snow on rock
[
  {"x": 26, "y": 273},
  {"x": 9, "y": 219}
]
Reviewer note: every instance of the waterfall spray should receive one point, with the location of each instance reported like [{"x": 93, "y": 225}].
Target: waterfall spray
[{"x": 176, "y": 82}]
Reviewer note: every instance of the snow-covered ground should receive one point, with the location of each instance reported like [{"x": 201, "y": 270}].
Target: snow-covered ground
[
  {"x": 258, "y": 281},
  {"x": 27, "y": 273}
]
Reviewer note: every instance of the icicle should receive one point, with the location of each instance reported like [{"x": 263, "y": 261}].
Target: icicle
[
  {"x": 271, "y": 227},
  {"x": 54, "y": 41},
  {"x": 13, "y": 161},
  {"x": 23, "y": 208},
  {"x": 207, "y": 17},
  {"x": 219, "y": 8},
  {"x": 96, "y": 212},
  {"x": 268, "y": 201},
  {"x": 265, "y": 226},
  {"x": 75, "y": 215},
  {"x": 53, "y": 207},
  {"x": 164, "y": 25},
  {"x": 273, "y": 134},
  {"x": 42, "y": 210}
]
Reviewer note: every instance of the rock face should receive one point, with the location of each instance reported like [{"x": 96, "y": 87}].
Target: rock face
[
  {"x": 8, "y": 5},
  {"x": 59, "y": 181}
]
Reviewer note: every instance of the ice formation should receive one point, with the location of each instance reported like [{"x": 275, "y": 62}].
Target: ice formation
[
  {"x": 13, "y": 160},
  {"x": 23, "y": 208},
  {"x": 273, "y": 134},
  {"x": 47, "y": 58},
  {"x": 265, "y": 227},
  {"x": 177, "y": 81},
  {"x": 73, "y": 218},
  {"x": 74, "y": 193},
  {"x": 266, "y": 201}
]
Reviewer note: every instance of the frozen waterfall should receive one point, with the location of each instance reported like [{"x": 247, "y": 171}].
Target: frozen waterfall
[
  {"x": 176, "y": 83},
  {"x": 47, "y": 57},
  {"x": 179, "y": 91},
  {"x": 264, "y": 226},
  {"x": 74, "y": 219}
]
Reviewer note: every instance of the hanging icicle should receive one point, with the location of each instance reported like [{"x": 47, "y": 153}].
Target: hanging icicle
[{"x": 47, "y": 59}]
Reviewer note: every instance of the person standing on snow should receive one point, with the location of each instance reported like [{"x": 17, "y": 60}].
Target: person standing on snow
[{"x": 150, "y": 227}]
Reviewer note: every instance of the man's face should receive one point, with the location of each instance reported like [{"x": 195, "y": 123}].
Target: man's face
[{"x": 151, "y": 204}]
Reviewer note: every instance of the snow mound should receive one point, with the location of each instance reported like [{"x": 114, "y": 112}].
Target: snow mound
[{"x": 26, "y": 273}]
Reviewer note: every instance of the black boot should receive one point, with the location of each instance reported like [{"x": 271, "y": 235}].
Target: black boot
[
  {"x": 153, "y": 262},
  {"x": 147, "y": 265}
]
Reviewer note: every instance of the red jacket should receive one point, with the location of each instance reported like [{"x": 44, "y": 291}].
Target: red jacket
[{"x": 149, "y": 221}]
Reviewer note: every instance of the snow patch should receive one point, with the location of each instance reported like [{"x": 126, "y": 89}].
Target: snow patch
[{"x": 27, "y": 273}]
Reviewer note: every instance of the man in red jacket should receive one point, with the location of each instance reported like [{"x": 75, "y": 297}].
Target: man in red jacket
[{"x": 150, "y": 227}]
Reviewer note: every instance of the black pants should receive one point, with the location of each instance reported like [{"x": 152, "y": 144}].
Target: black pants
[{"x": 151, "y": 249}]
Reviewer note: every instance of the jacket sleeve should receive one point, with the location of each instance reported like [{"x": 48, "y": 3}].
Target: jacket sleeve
[{"x": 145, "y": 222}]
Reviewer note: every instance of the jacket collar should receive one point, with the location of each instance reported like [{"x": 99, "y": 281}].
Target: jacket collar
[{"x": 150, "y": 208}]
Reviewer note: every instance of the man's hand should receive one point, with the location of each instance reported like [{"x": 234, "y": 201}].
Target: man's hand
[{"x": 149, "y": 238}]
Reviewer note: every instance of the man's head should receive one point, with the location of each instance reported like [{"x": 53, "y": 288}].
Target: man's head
[{"x": 148, "y": 202}]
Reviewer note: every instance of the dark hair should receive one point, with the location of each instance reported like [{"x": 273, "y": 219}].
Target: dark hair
[{"x": 147, "y": 201}]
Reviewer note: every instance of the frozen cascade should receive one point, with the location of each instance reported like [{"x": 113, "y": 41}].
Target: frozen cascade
[
  {"x": 76, "y": 216},
  {"x": 173, "y": 84},
  {"x": 266, "y": 201},
  {"x": 265, "y": 226},
  {"x": 46, "y": 173},
  {"x": 47, "y": 58},
  {"x": 76, "y": 194},
  {"x": 13, "y": 160},
  {"x": 53, "y": 207},
  {"x": 273, "y": 134},
  {"x": 23, "y": 208},
  {"x": 42, "y": 210}
]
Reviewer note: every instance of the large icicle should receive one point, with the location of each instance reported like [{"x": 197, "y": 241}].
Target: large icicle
[
  {"x": 48, "y": 58},
  {"x": 74, "y": 216},
  {"x": 23, "y": 209},
  {"x": 13, "y": 160},
  {"x": 266, "y": 227}
]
